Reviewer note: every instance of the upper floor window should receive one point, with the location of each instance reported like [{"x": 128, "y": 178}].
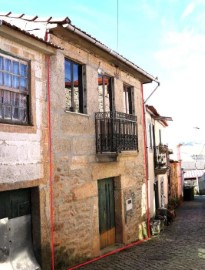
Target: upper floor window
[
  {"x": 105, "y": 93},
  {"x": 75, "y": 86},
  {"x": 160, "y": 136},
  {"x": 128, "y": 99},
  {"x": 150, "y": 137},
  {"x": 14, "y": 90}
]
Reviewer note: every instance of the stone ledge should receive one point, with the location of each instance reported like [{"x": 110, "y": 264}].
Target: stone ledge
[
  {"x": 107, "y": 157},
  {"x": 76, "y": 113},
  {"x": 129, "y": 153}
]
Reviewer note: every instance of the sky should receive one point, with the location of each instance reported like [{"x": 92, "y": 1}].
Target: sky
[{"x": 164, "y": 37}]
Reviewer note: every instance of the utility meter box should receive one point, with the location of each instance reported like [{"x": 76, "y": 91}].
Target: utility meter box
[{"x": 129, "y": 204}]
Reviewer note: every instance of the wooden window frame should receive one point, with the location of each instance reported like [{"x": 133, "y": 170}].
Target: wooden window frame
[
  {"x": 14, "y": 94},
  {"x": 81, "y": 87},
  {"x": 105, "y": 79},
  {"x": 128, "y": 95}
]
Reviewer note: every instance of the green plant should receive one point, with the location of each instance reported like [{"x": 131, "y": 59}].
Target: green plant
[{"x": 173, "y": 203}]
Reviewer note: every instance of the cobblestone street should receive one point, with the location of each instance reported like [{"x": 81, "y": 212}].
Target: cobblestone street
[{"x": 180, "y": 246}]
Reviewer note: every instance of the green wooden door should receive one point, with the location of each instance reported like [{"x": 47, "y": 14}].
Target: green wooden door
[{"x": 106, "y": 212}]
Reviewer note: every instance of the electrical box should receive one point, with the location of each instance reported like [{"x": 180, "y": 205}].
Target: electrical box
[{"x": 129, "y": 204}]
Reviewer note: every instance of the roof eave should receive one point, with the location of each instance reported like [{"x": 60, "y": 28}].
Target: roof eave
[
  {"x": 15, "y": 34},
  {"x": 115, "y": 58}
]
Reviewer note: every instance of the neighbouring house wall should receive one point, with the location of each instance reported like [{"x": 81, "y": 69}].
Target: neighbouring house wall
[
  {"x": 24, "y": 152},
  {"x": 158, "y": 177},
  {"x": 175, "y": 183},
  {"x": 163, "y": 189},
  {"x": 76, "y": 168},
  {"x": 201, "y": 182},
  {"x": 162, "y": 178},
  {"x": 150, "y": 164}
]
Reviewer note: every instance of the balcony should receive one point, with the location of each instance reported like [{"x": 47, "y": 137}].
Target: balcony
[
  {"x": 163, "y": 148},
  {"x": 115, "y": 132},
  {"x": 161, "y": 159}
]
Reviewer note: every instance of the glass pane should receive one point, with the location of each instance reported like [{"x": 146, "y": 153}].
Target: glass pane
[
  {"x": 100, "y": 93},
  {"x": 15, "y": 67},
  {"x": 15, "y": 113},
  {"x": 7, "y": 112},
  {"x": 67, "y": 74},
  {"x": 75, "y": 72},
  {"x": 103, "y": 93},
  {"x": 22, "y": 101},
  {"x": 76, "y": 100},
  {"x": 1, "y": 63},
  {"x": 23, "y": 70},
  {"x": 23, "y": 84},
  {"x": 15, "y": 82},
  {"x": 76, "y": 87},
  {"x": 68, "y": 98},
  {"x": 1, "y": 112},
  {"x": 7, "y": 66},
  {"x": 22, "y": 115},
  {"x": 7, "y": 97},
  {"x": 1, "y": 78},
  {"x": 15, "y": 99},
  {"x": 7, "y": 79},
  {"x": 1, "y": 96}
]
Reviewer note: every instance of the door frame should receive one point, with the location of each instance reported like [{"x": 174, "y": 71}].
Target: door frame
[{"x": 106, "y": 206}]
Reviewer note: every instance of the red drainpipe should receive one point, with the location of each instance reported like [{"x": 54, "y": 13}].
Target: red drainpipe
[
  {"x": 145, "y": 162},
  {"x": 51, "y": 165}
]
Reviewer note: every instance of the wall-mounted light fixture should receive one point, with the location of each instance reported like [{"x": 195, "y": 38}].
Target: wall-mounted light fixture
[{"x": 100, "y": 71}]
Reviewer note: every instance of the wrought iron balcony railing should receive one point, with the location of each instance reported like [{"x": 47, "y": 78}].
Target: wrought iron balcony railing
[
  {"x": 160, "y": 156},
  {"x": 115, "y": 132}
]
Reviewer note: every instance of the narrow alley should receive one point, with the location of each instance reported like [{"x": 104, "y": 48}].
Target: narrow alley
[{"x": 180, "y": 246}]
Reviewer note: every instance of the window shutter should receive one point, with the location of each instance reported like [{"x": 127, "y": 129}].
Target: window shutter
[
  {"x": 132, "y": 100},
  {"x": 84, "y": 89},
  {"x": 112, "y": 94}
]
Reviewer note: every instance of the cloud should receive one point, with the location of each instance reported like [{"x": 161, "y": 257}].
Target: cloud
[
  {"x": 181, "y": 50},
  {"x": 181, "y": 61},
  {"x": 149, "y": 10},
  {"x": 188, "y": 10}
]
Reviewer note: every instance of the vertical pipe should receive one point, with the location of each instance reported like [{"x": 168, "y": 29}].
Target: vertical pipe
[
  {"x": 51, "y": 164},
  {"x": 145, "y": 162}
]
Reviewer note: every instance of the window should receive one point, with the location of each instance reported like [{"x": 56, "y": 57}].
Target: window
[
  {"x": 14, "y": 92},
  {"x": 160, "y": 136},
  {"x": 150, "y": 136},
  {"x": 75, "y": 86},
  {"x": 128, "y": 102},
  {"x": 105, "y": 93}
]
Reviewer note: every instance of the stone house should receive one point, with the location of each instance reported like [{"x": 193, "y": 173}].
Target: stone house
[
  {"x": 98, "y": 148},
  {"x": 24, "y": 156},
  {"x": 99, "y": 187},
  {"x": 157, "y": 160}
]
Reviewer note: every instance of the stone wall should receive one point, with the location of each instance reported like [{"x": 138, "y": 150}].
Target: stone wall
[
  {"x": 24, "y": 150},
  {"x": 76, "y": 169}
]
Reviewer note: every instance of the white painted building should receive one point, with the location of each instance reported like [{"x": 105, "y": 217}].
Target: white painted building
[{"x": 157, "y": 159}]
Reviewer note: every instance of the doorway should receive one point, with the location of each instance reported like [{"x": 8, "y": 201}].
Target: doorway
[
  {"x": 106, "y": 206},
  {"x": 156, "y": 193},
  {"x": 16, "y": 245}
]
